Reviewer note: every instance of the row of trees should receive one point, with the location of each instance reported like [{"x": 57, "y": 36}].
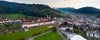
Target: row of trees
[{"x": 6, "y": 27}]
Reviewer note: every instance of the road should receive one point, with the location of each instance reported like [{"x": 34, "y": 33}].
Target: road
[
  {"x": 60, "y": 32},
  {"x": 61, "y": 35}
]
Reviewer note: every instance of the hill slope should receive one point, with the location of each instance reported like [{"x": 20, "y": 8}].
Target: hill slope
[
  {"x": 37, "y": 10},
  {"x": 89, "y": 10},
  {"x": 84, "y": 10},
  {"x": 69, "y": 9}
]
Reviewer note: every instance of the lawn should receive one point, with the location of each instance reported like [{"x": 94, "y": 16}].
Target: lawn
[
  {"x": 22, "y": 35},
  {"x": 49, "y": 36},
  {"x": 15, "y": 16}
]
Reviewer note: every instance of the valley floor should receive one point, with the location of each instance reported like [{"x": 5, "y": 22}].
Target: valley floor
[{"x": 49, "y": 36}]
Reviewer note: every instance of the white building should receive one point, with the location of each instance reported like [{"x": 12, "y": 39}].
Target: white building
[
  {"x": 93, "y": 34},
  {"x": 77, "y": 37},
  {"x": 38, "y": 24},
  {"x": 73, "y": 36}
]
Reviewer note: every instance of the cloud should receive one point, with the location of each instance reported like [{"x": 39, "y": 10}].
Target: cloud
[
  {"x": 84, "y": 3},
  {"x": 63, "y": 3},
  {"x": 1, "y": 0}
]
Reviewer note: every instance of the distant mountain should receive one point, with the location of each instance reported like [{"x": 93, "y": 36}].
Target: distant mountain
[
  {"x": 69, "y": 9},
  {"x": 37, "y": 10},
  {"x": 88, "y": 10},
  {"x": 84, "y": 10},
  {"x": 80, "y": 10}
]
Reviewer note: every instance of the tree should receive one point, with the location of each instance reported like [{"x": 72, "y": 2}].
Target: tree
[
  {"x": 76, "y": 29},
  {"x": 6, "y": 27},
  {"x": 54, "y": 29}
]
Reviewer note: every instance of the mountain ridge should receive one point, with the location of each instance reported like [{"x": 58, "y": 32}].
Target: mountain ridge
[
  {"x": 37, "y": 10},
  {"x": 67, "y": 9},
  {"x": 87, "y": 10},
  {"x": 84, "y": 10}
]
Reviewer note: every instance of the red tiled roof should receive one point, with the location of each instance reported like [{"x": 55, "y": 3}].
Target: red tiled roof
[
  {"x": 33, "y": 22},
  {"x": 33, "y": 19}
]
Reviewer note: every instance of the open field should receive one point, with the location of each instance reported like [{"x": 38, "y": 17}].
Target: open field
[
  {"x": 49, "y": 36},
  {"x": 21, "y": 35},
  {"x": 15, "y": 16}
]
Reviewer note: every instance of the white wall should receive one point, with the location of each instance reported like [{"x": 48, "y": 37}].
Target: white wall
[{"x": 38, "y": 24}]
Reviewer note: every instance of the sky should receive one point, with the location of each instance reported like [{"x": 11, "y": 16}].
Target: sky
[{"x": 62, "y": 3}]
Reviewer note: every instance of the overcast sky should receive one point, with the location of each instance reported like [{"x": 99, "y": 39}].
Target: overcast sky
[{"x": 63, "y": 3}]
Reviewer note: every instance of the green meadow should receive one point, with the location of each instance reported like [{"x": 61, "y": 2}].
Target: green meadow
[
  {"x": 22, "y": 35},
  {"x": 49, "y": 36},
  {"x": 15, "y": 16}
]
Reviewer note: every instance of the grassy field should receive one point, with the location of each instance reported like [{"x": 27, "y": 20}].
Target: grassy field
[
  {"x": 15, "y": 16},
  {"x": 22, "y": 35},
  {"x": 49, "y": 36}
]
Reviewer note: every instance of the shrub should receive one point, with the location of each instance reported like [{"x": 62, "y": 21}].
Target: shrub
[{"x": 53, "y": 29}]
